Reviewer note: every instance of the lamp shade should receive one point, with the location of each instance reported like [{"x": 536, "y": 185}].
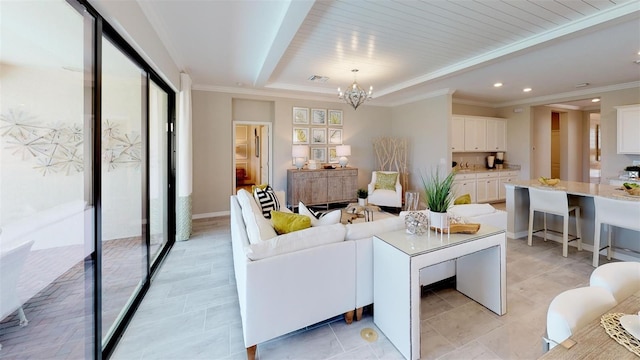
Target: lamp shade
[
  {"x": 300, "y": 151},
  {"x": 343, "y": 150}
]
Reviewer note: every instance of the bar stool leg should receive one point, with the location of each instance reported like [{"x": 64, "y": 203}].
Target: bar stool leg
[
  {"x": 610, "y": 231},
  {"x": 596, "y": 243},
  {"x": 578, "y": 229},
  {"x": 544, "y": 216},
  {"x": 565, "y": 235},
  {"x": 529, "y": 240}
]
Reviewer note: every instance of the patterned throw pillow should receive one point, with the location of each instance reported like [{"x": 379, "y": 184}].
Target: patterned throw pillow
[
  {"x": 267, "y": 200},
  {"x": 386, "y": 181},
  {"x": 320, "y": 218}
]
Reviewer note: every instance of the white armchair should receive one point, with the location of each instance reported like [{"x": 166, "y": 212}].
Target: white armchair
[{"x": 385, "y": 197}]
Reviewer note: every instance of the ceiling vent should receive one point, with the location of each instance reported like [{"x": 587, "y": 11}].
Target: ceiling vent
[{"x": 318, "y": 78}]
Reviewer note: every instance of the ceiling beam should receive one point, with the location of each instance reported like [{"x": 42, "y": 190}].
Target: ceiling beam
[{"x": 295, "y": 15}]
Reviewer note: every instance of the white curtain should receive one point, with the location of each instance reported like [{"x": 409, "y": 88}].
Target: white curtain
[{"x": 184, "y": 166}]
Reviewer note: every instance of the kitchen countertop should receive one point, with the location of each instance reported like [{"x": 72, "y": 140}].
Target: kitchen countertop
[
  {"x": 476, "y": 170},
  {"x": 579, "y": 188}
]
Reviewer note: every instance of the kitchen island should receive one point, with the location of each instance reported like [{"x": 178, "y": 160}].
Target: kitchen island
[{"x": 580, "y": 194}]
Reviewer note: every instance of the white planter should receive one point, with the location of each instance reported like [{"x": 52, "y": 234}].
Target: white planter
[
  {"x": 439, "y": 220},
  {"x": 362, "y": 202}
]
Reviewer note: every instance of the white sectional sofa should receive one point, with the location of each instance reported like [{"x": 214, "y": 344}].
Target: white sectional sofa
[
  {"x": 295, "y": 280},
  {"x": 286, "y": 282}
]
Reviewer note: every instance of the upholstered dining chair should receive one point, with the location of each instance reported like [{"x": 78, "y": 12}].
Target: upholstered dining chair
[{"x": 385, "y": 189}]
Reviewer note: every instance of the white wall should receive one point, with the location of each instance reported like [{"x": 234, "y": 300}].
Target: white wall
[
  {"x": 213, "y": 115},
  {"x": 426, "y": 124}
]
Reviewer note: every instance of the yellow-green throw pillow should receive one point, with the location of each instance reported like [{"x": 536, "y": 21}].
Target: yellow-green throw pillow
[
  {"x": 261, "y": 187},
  {"x": 386, "y": 181},
  {"x": 461, "y": 200},
  {"x": 284, "y": 223}
]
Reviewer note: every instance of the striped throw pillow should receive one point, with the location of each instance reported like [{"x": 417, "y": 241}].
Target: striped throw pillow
[{"x": 267, "y": 200}]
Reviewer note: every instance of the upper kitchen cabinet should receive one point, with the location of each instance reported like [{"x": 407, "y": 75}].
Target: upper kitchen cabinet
[
  {"x": 496, "y": 134},
  {"x": 478, "y": 134},
  {"x": 475, "y": 134},
  {"x": 457, "y": 133},
  {"x": 628, "y": 129}
]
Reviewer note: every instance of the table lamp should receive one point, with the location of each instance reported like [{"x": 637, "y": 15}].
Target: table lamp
[
  {"x": 343, "y": 151},
  {"x": 300, "y": 153}
]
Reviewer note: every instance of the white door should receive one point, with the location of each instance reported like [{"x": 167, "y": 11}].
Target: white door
[{"x": 264, "y": 154}]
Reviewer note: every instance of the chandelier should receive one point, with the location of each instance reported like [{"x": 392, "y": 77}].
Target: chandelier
[{"x": 354, "y": 95}]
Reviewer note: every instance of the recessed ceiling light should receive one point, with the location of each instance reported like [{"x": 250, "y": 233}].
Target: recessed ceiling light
[
  {"x": 498, "y": 84},
  {"x": 239, "y": 83},
  {"x": 526, "y": 89},
  {"x": 595, "y": 100}
]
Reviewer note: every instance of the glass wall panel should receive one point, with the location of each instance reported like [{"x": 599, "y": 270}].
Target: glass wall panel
[
  {"x": 46, "y": 204},
  {"x": 124, "y": 249},
  {"x": 158, "y": 169}
]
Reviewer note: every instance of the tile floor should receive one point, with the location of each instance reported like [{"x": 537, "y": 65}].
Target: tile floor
[{"x": 191, "y": 310}]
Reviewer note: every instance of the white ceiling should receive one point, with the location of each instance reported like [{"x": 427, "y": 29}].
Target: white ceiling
[{"x": 406, "y": 49}]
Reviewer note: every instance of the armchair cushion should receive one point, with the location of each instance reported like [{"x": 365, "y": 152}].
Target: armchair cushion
[{"x": 386, "y": 180}]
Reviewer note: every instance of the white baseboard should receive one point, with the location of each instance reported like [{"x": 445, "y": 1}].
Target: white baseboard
[{"x": 210, "y": 215}]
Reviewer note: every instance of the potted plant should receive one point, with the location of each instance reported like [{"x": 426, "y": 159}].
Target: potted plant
[
  {"x": 362, "y": 196},
  {"x": 438, "y": 195}
]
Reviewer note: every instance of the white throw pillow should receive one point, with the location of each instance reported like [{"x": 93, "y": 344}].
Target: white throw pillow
[
  {"x": 320, "y": 218},
  {"x": 258, "y": 228},
  {"x": 295, "y": 241}
]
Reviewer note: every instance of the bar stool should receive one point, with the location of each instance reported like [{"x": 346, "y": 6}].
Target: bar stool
[
  {"x": 553, "y": 202},
  {"x": 613, "y": 212}
]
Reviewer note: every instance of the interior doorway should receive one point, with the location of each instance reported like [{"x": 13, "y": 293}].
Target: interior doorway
[
  {"x": 555, "y": 145},
  {"x": 252, "y": 144}
]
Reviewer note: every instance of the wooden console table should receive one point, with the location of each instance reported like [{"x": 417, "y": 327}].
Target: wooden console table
[{"x": 322, "y": 186}]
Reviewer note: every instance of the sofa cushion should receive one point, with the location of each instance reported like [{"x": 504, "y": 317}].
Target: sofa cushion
[
  {"x": 386, "y": 181},
  {"x": 258, "y": 228},
  {"x": 284, "y": 223},
  {"x": 295, "y": 241},
  {"x": 463, "y": 199},
  {"x": 267, "y": 200},
  {"x": 371, "y": 228},
  {"x": 471, "y": 210},
  {"x": 320, "y": 218}
]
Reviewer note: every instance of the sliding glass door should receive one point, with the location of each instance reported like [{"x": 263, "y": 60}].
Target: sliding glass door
[{"x": 86, "y": 206}]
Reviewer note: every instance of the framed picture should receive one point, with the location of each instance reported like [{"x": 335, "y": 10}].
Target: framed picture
[
  {"x": 335, "y": 136},
  {"x": 300, "y": 135},
  {"x": 300, "y": 116},
  {"x": 318, "y": 117},
  {"x": 333, "y": 157},
  {"x": 318, "y": 135},
  {"x": 335, "y": 117},
  {"x": 241, "y": 151},
  {"x": 319, "y": 154}
]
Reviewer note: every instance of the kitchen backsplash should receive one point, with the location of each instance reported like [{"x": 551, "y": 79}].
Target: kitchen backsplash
[{"x": 475, "y": 160}]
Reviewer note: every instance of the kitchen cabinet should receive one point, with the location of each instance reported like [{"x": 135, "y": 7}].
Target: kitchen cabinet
[
  {"x": 457, "y": 133},
  {"x": 478, "y": 134},
  {"x": 487, "y": 187},
  {"x": 496, "y": 134},
  {"x": 475, "y": 134},
  {"x": 322, "y": 186},
  {"x": 628, "y": 129},
  {"x": 465, "y": 184}
]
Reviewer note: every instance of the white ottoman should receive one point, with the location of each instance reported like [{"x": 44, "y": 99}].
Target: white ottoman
[
  {"x": 622, "y": 279},
  {"x": 572, "y": 309}
]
